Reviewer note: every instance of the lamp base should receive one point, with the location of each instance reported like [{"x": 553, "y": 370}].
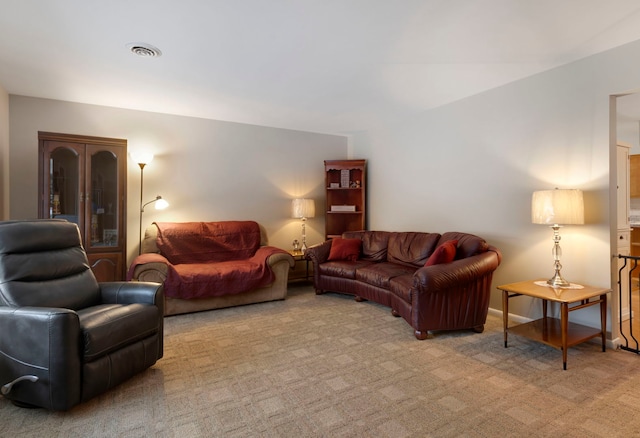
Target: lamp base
[{"x": 558, "y": 281}]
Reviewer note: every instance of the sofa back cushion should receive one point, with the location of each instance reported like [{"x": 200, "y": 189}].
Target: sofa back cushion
[
  {"x": 468, "y": 244},
  {"x": 411, "y": 248},
  {"x": 374, "y": 244}
]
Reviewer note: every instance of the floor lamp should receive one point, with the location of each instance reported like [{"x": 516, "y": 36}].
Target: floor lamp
[{"x": 144, "y": 158}]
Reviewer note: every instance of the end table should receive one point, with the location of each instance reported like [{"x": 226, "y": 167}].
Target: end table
[{"x": 558, "y": 333}]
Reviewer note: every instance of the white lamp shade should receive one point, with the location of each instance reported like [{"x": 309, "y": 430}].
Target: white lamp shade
[
  {"x": 161, "y": 204},
  {"x": 302, "y": 208},
  {"x": 559, "y": 206},
  {"x": 142, "y": 157}
]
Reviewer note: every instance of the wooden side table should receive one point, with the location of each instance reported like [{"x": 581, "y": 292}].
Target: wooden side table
[
  {"x": 298, "y": 256},
  {"x": 558, "y": 333}
]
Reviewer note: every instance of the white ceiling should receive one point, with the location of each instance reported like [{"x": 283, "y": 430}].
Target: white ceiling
[{"x": 333, "y": 66}]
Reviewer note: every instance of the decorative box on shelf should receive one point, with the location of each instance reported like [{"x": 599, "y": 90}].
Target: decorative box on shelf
[
  {"x": 342, "y": 208},
  {"x": 344, "y": 178}
]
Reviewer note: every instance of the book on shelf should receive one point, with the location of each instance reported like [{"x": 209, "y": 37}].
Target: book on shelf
[{"x": 343, "y": 208}]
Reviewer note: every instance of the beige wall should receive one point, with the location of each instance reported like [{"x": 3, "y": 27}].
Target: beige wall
[
  {"x": 4, "y": 154},
  {"x": 206, "y": 169},
  {"x": 474, "y": 164}
]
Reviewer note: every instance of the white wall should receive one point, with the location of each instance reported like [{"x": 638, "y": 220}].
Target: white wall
[
  {"x": 473, "y": 165},
  {"x": 208, "y": 170},
  {"x": 4, "y": 154}
]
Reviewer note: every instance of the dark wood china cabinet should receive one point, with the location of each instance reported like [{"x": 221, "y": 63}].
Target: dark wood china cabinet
[{"x": 83, "y": 180}]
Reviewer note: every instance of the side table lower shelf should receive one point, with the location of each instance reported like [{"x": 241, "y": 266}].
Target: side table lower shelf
[{"x": 549, "y": 331}]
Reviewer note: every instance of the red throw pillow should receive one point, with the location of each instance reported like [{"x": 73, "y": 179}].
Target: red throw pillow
[
  {"x": 345, "y": 249},
  {"x": 445, "y": 253}
]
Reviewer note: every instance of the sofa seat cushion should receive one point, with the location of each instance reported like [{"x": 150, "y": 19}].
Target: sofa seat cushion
[
  {"x": 342, "y": 268},
  {"x": 380, "y": 274},
  {"x": 109, "y": 327},
  {"x": 401, "y": 287}
]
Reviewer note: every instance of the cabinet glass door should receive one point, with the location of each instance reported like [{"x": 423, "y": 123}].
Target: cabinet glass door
[
  {"x": 103, "y": 209},
  {"x": 63, "y": 197}
]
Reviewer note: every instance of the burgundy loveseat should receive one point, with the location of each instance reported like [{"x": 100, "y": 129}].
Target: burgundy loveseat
[
  {"x": 389, "y": 268},
  {"x": 212, "y": 265}
]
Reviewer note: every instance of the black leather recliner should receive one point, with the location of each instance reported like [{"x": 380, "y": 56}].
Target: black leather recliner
[{"x": 64, "y": 337}]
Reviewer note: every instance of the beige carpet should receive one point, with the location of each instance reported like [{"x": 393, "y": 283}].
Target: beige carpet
[{"x": 327, "y": 366}]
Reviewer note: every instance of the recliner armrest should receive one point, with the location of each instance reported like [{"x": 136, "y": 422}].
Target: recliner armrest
[
  {"x": 130, "y": 292},
  {"x": 42, "y": 342}
]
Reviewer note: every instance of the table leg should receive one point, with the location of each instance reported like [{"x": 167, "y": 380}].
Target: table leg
[
  {"x": 505, "y": 314},
  {"x": 603, "y": 320},
  {"x": 564, "y": 324}
]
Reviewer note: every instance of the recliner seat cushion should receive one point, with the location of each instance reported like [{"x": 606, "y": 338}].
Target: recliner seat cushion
[{"x": 109, "y": 327}]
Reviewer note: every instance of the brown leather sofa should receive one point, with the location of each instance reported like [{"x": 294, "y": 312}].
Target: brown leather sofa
[{"x": 389, "y": 269}]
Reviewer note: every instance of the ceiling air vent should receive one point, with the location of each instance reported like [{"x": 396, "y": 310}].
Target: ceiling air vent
[{"x": 144, "y": 50}]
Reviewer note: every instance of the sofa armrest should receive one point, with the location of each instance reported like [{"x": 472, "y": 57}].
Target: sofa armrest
[
  {"x": 44, "y": 343},
  {"x": 452, "y": 275},
  {"x": 318, "y": 253}
]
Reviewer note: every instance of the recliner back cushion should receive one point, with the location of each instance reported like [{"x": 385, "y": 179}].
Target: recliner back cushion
[
  {"x": 42, "y": 263},
  {"x": 411, "y": 248}
]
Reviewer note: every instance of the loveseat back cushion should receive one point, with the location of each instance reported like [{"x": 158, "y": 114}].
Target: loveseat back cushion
[
  {"x": 468, "y": 244},
  {"x": 42, "y": 263},
  {"x": 150, "y": 241},
  {"x": 208, "y": 242},
  {"x": 411, "y": 248},
  {"x": 374, "y": 244}
]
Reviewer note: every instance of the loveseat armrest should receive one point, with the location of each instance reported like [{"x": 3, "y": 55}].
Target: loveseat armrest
[
  {"x": 42, "y": 342},
  {"x": 279, "y": 257},
  {"x": 149, "y": 267}
]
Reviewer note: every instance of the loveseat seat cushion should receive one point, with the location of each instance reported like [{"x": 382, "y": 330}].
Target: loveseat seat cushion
[
  {"x": 110, "y": 327},
  {"x": 411, "y": 248},
  {"x": 380, "y": 274},
  {"x": 342, "y": 268}
]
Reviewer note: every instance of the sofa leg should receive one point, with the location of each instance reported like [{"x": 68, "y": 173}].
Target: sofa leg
[
  {"x": 359, "y": 299},
  {"x": 420, "y": 335},
  {"x": 479, "y": 328},
  {"x": 319, "y": 291},
  {"x": 395, "y": 313}
]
